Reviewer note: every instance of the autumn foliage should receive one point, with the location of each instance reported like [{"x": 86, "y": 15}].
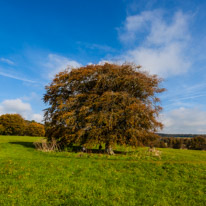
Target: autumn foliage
[
  {"x": 14, "y": 124},
  {"x": 35, "y": 129},
  {"x": 97, "y": 104}
]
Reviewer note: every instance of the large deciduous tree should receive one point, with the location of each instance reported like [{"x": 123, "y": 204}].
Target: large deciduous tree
[{"x": 108, "y": 103}]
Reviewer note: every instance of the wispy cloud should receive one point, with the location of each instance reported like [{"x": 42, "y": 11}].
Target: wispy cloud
[
  {"x": 104, "y": 48},
  {"x": 7, "y": 61},
  {"x": 16, "y": 77},
  {"x": 190, "y": 97},
  {"x": 33, "y": 96},
  {"x": 56, "y": 63},
  {"x": 184, "y": 96}
]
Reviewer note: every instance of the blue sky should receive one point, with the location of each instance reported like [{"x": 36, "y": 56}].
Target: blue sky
[{"x": 40, "y": 38}]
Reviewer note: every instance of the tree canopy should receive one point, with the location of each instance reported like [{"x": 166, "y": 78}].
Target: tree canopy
[
  {"x": 15, "y": 124},
  {"x": 12, "y": 124},
  {"x": 108, "y": 103},
  {"x": 35, "y": 129}
]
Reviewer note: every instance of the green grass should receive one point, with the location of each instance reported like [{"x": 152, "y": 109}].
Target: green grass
[{"x": 31, "y": 177}]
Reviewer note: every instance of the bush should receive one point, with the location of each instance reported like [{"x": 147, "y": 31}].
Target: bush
[
  {"x": 195, "y": 143},
  {"x": 35, "y": 129},
  {"x": 198, "y": 143},
  {"x": 12, "y": 124}
]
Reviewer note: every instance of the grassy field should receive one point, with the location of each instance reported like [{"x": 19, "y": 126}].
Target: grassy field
[{"x": 31, "y": 177}]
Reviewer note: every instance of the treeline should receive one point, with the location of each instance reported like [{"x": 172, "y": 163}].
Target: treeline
[
  {"x": 194, "y": 143},
  {"x": 15, "y": 124},
  {"x": 179, "y": 135}
]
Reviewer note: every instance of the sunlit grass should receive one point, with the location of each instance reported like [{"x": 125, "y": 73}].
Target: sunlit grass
[{"x": 31, "y": 177}]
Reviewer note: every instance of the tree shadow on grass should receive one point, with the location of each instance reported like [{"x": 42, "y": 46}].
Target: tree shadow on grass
[
  {"x": 71, "y": 148},
  {"x": 95, "y": 151},
  {"x": 25, "y": 144}
]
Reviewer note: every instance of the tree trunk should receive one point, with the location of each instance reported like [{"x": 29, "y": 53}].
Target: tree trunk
[{"x": 108, "y": 149}]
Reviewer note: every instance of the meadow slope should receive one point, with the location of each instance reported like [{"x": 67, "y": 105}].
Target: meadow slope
[{"x": 31, "y": 177}]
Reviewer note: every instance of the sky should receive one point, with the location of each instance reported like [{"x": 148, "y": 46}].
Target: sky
[{"x": 38, "y": 39}]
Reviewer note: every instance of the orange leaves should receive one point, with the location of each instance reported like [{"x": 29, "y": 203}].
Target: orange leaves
[
  {"x": 35, "y": 129},
  {"x": 103, "y": 103},
  {"x": 14, "y": 124}
]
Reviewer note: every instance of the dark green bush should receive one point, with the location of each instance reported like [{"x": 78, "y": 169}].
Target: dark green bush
[{"x": 194, "y": 143}]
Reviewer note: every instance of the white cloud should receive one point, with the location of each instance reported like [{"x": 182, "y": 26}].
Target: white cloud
[
  {"x": 164, "y": 61},
  {"x": 17, "y": 106},
  {"x": 37, "y": 117},
  {"x": 8, "y": 61},
  {"x": 163, "y": 49},
  {"x": 185, "y": 121},
  {"x": 56, "y": 63}
]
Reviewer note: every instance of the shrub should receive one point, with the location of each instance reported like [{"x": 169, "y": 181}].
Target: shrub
[
  {"x": 12, "y": 124},
  {"x": 195, "y": 143},
  {"x": 35, "y": 129}
]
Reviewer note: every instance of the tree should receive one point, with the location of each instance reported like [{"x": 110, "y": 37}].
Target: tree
[
  {"x": 12, "y": 124},
  {"x": 97, "y": 104},
  {"x": 35, "y": 129},
  {"x": 1, "y": 129}
]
